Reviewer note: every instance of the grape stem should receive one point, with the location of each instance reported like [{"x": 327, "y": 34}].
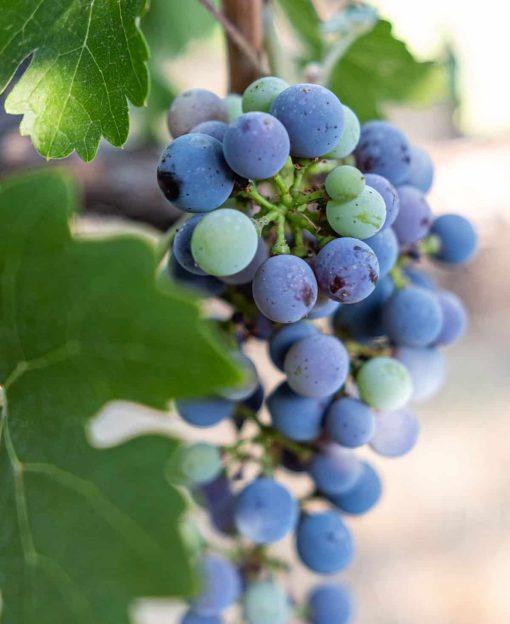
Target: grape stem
[
  {"x": 259, "y": 199},
  {"x": 283, "y": 190}
]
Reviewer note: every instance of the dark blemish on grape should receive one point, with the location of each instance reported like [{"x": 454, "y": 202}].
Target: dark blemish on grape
[
  {"x": 170, "y": 184},
  {"x": 425, "y": 222},
  {"x": 305, "y": 294},
  {"x": 372, "y": 275},
  {"x": 245, "y": 125},
  {"x": 336, "y": 284}
]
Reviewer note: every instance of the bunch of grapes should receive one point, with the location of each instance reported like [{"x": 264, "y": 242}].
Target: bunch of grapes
[{"x": 297, "y": 214}]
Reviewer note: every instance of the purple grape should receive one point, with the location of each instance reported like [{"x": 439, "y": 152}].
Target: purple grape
[
  {"x": 457, "y": 237},
  {"x": 193, "y": 107},
  {"x": 421, "y": 173},
  {"x": 414, "y": 216},
  {"x": 181, "y": 247},
  {"x": 455, "y": 318},
  {"x": 385, "y": 150},
  {"x": 396, "y": 433},
  {"x": 427, "y": 368},
  {"x": 313, "y": 117},
  {"x": 285, "y": 288},
  {"x": 256, "y": 146},
  {"x": 247, "y": 274},
  {"x": 330, "y": 604},
  {"x": 385, "y": 246},
  {"x": 221, "y": 586},
  {"x": 389, "y": 193},
  {"x": 215, "y": 129},
  {"x": 195, "y": 618},
  {"x": 347, "y": 270},
  {"x": 205, "y": 412},
  {"x": 323, "y": 308},
  {"x": 335, "y": 469},
  {"x": 363, "y": 496},
  {"x": 317, "y": 366},
  {"x": 203, "y": 284},
  {"x": 350, "y": 422},
  {"x": 282, "y": 340},
  {"x": 220, "y": 502}
]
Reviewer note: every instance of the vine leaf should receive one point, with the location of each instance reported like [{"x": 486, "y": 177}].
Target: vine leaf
[
  {"x": 89, "y": 58},
  {"x": 85, "y": 531}
]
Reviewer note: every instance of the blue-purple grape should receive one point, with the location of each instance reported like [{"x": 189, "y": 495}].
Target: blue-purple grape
[
  {"x": 201, "y": 284},
  {"x": 385, "y": 246},
  {"x": 193, "y": 107},
  {"x": 414, "y": 216},
  {"x": 205, "y": 412},
  {"x": 334, "y": 469},
  {"x": 396, "y": 433},
  {"x": 363, "y": 496},
  {"x": 427, "y": 368},
  {"x": 195, "y": 618},
  {"x": 350, "y": 422},
  {"x": 388, "y": 192},
  {"x": 330, "y": 604},
  {"x": 220, "y": 586},
  {"x": 454, "y": 318},
  {"x": 350, "y": 136},
  {"x": 181, "y": 246},
  {"x": 219, "y": 500},
  {"x": 421, "y": 173},
  {"x": 458, "y": 240},
  {"x": 283, "y": 339},
  {"x": 215, "y": 129}
]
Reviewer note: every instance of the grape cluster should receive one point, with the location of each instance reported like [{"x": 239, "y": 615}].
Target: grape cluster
[{"x": 299, "y": 213}]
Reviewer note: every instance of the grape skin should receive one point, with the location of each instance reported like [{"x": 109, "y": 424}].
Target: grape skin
[
  {"x": 324, "y": 543},
  {"x": 455, "y": 318},
  {"x": 265, "y": 603},
  {"x": 215, "y": 129},
  {"x": 458, "y": 239},
  {"x": 313, "y": 117},
  {"x": 202, "y": 284},
  {"x": 334, "y": 469},
  {"x": 413, "y": 317},
  {"x": 219, "y": 500},
  {"x": 350, "y": 136},
  {"x": 350, "y": 422},
  {"x": 224, "y": 242},
  {"x": 221, "y": 586},
  {"x": 421, "y": 173},
  {"x": 396, "y": 433},
  {"x": 330, "y": 604},
  {"x": 285, "y": 288},
  {"x": 247, "y": 387},
  {"x": 234, "y": 104},
  {"x": 365, "y": 494},
  {"x": 385, "y": 246},
  {"x": 384, "y": 383},
  {"x": 385, "y": 150},
  {"x": 317, "y": 366},
  {"x": 181, "y": 246},
  {"x": 282, "y": 340},
  {"x": 193, "y": 174},
  {"x": 200, "y": 462},
  {"x": 195, "y": 618},
  {"x": 248, "y": 273},
  {"x": 389, "y": 193},
  {"x": 344, "y": 183},
  {"x": 414, "y": 217},
  {"x": 193, "y": 107},
  {"x": 260, "y": 95},
  {"x": 361, "y": 217},
  {"x": 347, "y": 270},
  {"x": 256, "y": 146},
  {"x": 205, "y": 412},
  {"x": 296, "y": 417},
  {"x": 427, "y": 368},
  {"x": 265, "y": 511},
  {"x": 323, "y": 308}
]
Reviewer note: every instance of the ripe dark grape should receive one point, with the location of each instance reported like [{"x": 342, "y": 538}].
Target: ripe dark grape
[
  {"x": 458, "y": 240},
  {"x": 194, "y": 107}
]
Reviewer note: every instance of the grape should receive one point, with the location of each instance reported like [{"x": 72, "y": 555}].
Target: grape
[
  {"x": 282, "y": 340},
  {"x": 219, "y": 500},
  {"x": 330, "y": 604},
  {"x": 419, "y": 278},
  {"x": 313, "y": 117},
  {"x": 413, "y": 317},
  {"x": 396, "y": 433},
  {"x": 344, "y": 183},
  {"x": 323, "y": 308},
  {"x": 247, "y": 387},
  {"x": 260, "y": 95},
  {"x": 248, "y": 273},
  {"x": 296, "y": 417},
  {"x": 203, "y": 284},
  {"x": 234, "y": 104},
  {"x": 350, "y": 422},
  {"x": 350, "y": 136},
  {"x": 224, "y": 242},
  {"x": 361, "y": 217},
  {"x": 195, "y": 618},
  {"x": 265, "y": 511},
  {"x": 181, "y": 246},
  {"x": 385, "y": 150},
  {"x": 193, "y": 174},
  {"x": 215, "y": 129},
  {"x": 205, "y": 412},
  {"x": 265, "y": 603},
  {"x": 285, "y": 288},
  {"x": 365, "y": 494},
  {"x": 427, "y": 368},
  {"x": 421, "y": 173},
  {"x": 454, "y": 318},
  {"x": 414, "y": 216},
  {"x": 384, "y": 383},
  {"x": 256, "y": 146},
  {"x": 363, "y": 321},
  {"x": 221, "y": 586},
  {"x": 193, "y": 107},
  {"x": 385, "y": 246},
  {"x": 457, "y": 237},
  {"x": 347, "y": 270},
  {"x": 388, "y": 192},
  {"x": 324, "y": 543},
  {"x": 200, "y": 462},
  {"x": 255, "y": 400},
  {"x": 317, "y": 366},
  {"x": 334, "y": 469}
]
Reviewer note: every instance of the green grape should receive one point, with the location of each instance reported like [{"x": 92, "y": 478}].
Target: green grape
[
  {"x": 344, "y": 183},
  {"x": 384, "y": 383},
  {"x": 200, "y": 462},
  {"x": 260, "y": 94},
  {"x": 350, "y": 136},
  {"x": 361, "y": 217},
  {"x": 224, "y": 242},
  {"x": 265, "y": 603},
  {"x": 234, "y": 104}
]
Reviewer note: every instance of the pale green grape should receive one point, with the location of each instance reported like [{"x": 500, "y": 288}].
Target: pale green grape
[
  {"x": 361, "y": 217},
  {"x": 234, "y": 103},
  {"x": 200, "y": 462},
  {"x": 345, "y": 183},
  {"x": 265, "y": 603},
  {"x": 350, "y": 136},
  {"x": 261, "y": 94},
  {"x": 384, "y": 383},
  {"x": 224, "y": 242}
]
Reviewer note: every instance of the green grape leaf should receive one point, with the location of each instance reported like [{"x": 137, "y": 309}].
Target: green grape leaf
[
  {"x": 88, "y": 58},
  {"x": 85, "y": 531},
  {"x": 378, "y": 68},
  {"x": 306, "y": 22}
]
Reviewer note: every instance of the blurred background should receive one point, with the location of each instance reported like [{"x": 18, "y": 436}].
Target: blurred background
[{"x": 437, "y": 548}]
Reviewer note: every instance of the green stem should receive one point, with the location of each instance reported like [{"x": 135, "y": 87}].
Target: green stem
[
  {"x": 430, "y": 245},
  {"x": 399, "y": 277},
  {"x": 308, "y": 198},
  {"x": 302, "y": 168},
  {"x": 283, "y": 190},
  {"x": 281, "y": 246},
  {"x": 259, "y": 199}
]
